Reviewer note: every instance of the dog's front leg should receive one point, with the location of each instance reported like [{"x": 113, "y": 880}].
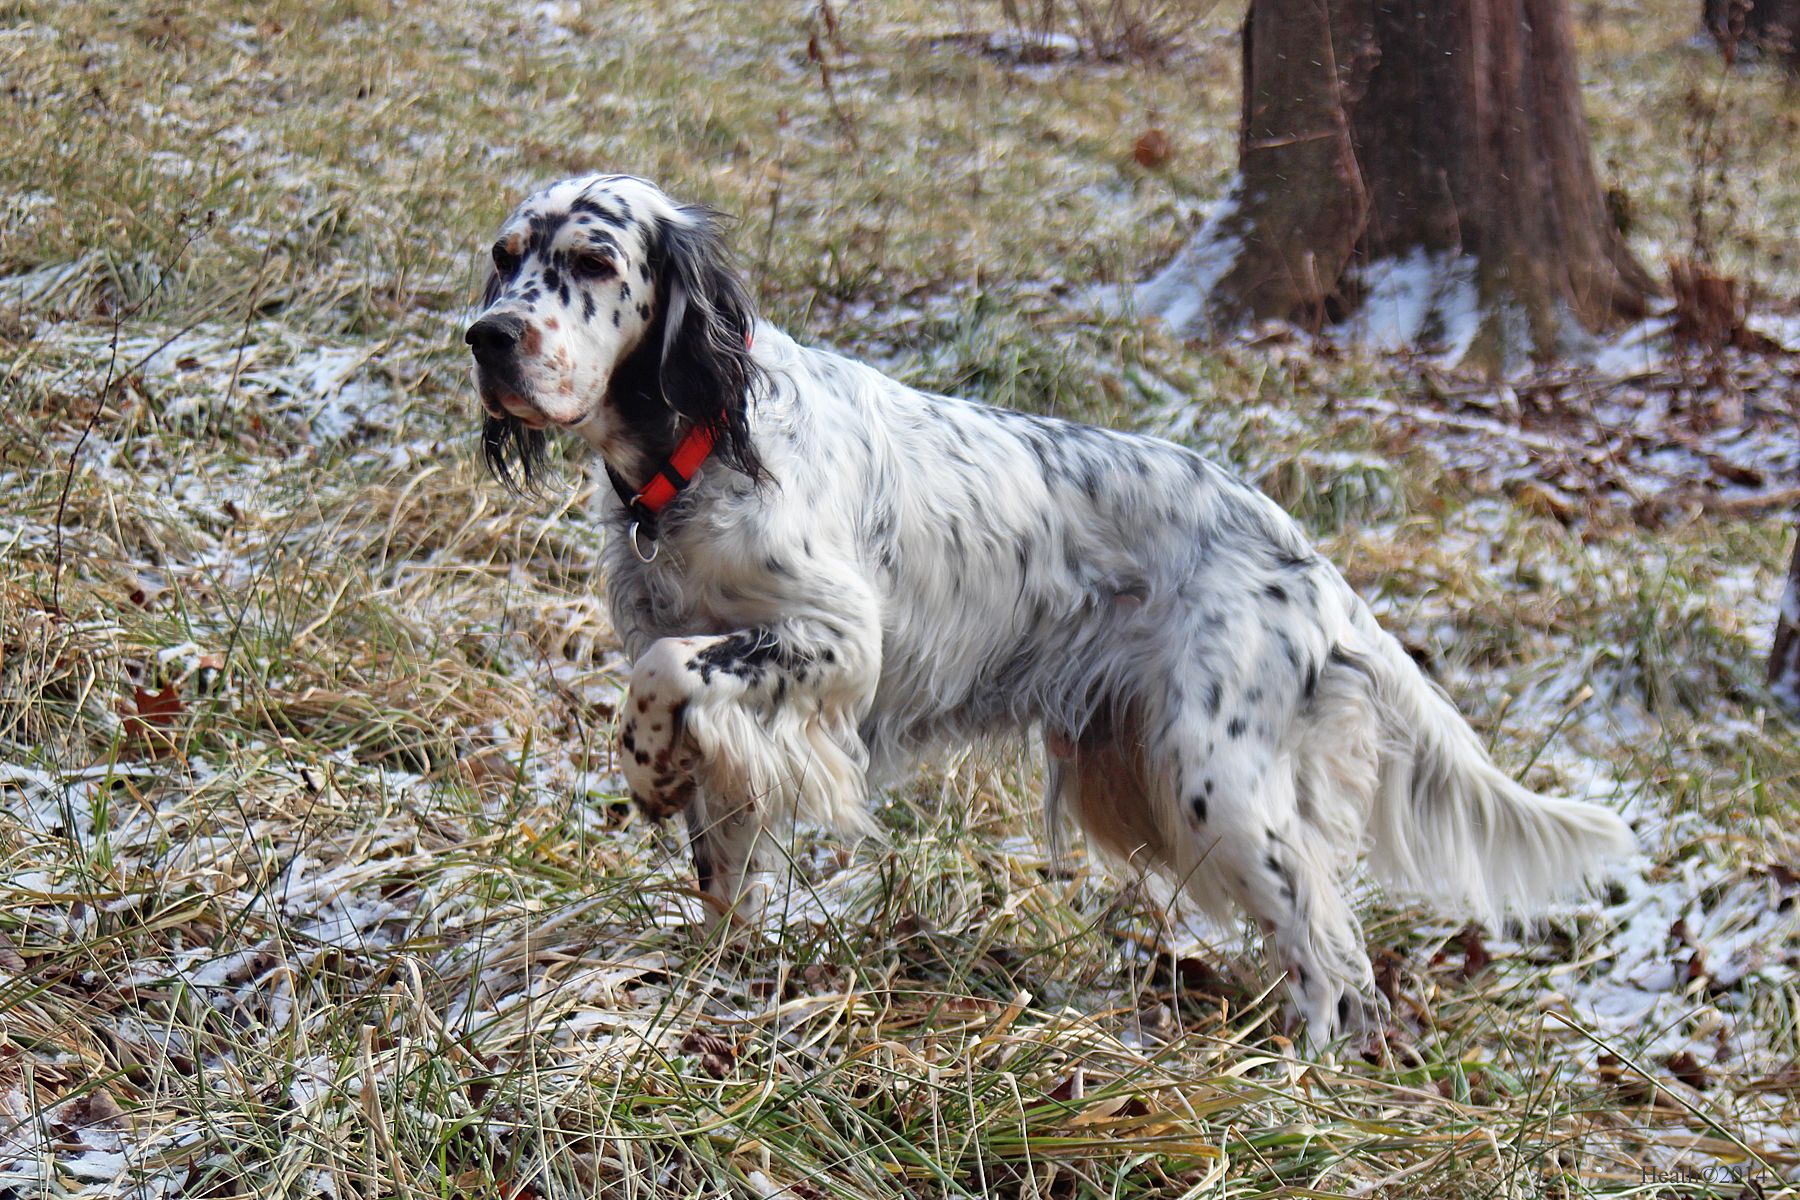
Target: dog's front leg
[{"x": 746, "y": 731}]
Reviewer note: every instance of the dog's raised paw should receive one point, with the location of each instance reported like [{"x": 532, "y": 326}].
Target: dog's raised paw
[{"x": 657, "y": 755}]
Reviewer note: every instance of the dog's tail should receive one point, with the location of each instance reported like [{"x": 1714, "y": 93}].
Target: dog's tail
[{"x": 1446, "y": 821}]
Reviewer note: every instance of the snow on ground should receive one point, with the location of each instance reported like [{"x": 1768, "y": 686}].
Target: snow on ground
[
  {"x": 1672, "y": 950},
  {"x": 1422, "y": 301},
  {"x": 1179, "y": 293}
]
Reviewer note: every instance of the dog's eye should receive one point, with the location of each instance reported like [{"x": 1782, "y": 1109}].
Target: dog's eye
[
  {"x": 593, "y": 265},
  {"x": 505, "y": 261}
]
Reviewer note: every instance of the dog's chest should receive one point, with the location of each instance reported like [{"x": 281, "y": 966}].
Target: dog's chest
[{"x": 703, "y": 580}]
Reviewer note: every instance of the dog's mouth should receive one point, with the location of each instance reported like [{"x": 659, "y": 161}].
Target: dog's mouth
[
  {"x": 523, "y": 413},
  {"x": 513, "y": 432}
]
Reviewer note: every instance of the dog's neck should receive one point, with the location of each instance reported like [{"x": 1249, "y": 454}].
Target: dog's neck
[
  {"x": 645, "y": 432},
  {"x": 644, "y": 429}
]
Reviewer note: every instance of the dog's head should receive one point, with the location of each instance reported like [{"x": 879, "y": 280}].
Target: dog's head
[{"x": 613, "y": 312}]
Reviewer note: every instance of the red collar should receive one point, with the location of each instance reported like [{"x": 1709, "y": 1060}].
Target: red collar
[
  {"x": 666, "y": 482},
  {"x": 676, "y": 472}
]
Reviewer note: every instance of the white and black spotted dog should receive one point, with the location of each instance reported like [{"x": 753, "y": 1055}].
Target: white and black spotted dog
[{"x": 819, "y": 573}]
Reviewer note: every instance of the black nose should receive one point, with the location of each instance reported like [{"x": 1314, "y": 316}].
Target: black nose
[{"x": 494, "y": 337}]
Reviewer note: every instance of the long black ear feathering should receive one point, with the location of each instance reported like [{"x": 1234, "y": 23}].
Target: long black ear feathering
[
  {"x": 516, "y": 455},
  {"x": 707, "y": 373}
]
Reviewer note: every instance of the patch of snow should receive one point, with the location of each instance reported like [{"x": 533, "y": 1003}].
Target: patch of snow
[
  {"x": 1424, "y": 300},
  {"x": 53, "y": 283},
  {"x": 552, "y": 18},
  {"x": 1182, "y": 290},
  {"x": 1781, "y": 328},
  {"x": 1032, "y": 47},
  {"x": 1635, "y": 351}
]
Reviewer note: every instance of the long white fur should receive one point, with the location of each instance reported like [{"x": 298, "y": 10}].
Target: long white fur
[{"x": 920, "y": 571}]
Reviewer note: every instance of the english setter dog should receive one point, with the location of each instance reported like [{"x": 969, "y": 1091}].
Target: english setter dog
[{"x": 819, "y": 573}]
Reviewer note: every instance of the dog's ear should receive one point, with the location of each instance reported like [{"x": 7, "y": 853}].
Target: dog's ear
[
  {"x": 490, "y": 290},
  {"x": 707, "y": 372}
]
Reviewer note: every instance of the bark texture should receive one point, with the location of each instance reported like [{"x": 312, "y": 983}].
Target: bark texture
[{"x": 1443, "y": 133}]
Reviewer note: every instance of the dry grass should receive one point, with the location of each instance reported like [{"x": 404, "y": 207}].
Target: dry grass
[{"x": 315, "y": 877}]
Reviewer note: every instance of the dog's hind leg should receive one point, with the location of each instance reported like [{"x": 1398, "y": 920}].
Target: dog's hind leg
[{"x": 1252, "y": 843}]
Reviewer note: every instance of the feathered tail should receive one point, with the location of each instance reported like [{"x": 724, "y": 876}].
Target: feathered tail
[{"x": 1448, "y": 823}]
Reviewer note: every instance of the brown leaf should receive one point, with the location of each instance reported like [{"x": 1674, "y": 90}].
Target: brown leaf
[
  {"x": 158, "y": 708},
  {"x": 10, "y": 962},
  {"x": 1198, "y": 975},
  {"x": 1687, "y": 1068},
  {"x": 1071, "y": 1088},
  {"x": 1629, "y": 1087},
  {"x": 1153, "y": 148},
  {"x": 154, "y": 715},
  {"x": 1475, "y": 953},
  {"x": 1390, "y": 964},
  {"x": 716, "y": 1055}
]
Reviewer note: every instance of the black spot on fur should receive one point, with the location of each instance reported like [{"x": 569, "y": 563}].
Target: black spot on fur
[
  {"x": 1199, "y": 806},
  {"x": 747, "y": 655},
  {"x": 1286, "y": 877},
  {"x": 1235, "y": 728},
  {"x": 588, "y": 206}
]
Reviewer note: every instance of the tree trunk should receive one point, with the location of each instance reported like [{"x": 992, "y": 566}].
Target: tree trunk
[
  {"x": 1784, "y": 659},
  {"x": 1771, "y": 26},
  {"x": 1418, "y": 170}
]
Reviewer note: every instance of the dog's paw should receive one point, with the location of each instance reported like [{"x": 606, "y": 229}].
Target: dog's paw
[{"x": 658, "y": 756}]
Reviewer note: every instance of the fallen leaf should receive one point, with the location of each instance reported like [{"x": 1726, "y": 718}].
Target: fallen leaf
[
  {"x": 153, "y": 714},
  {"x": 10, "y": 962},
  {"x": 1685, "y": 1067},
  {"x": 1153, "y": 148},
  {"x": 1475, "y": 953},
  {"x": 716, "y": 1055}
]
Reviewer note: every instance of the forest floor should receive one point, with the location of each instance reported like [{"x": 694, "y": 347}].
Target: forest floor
[{"x": 316, "y": 875}]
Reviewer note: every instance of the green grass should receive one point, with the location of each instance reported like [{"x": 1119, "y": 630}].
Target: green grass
[{"x": 315, "y": 873}]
